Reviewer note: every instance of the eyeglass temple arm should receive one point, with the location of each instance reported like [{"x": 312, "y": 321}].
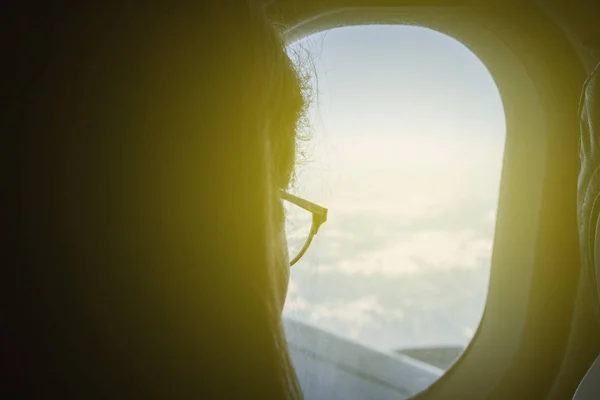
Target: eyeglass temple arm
[
  {"x": 305, "y": 204},
  {"x": 319, "y": 216}
]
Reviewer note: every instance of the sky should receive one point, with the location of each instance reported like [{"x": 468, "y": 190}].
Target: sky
[{"x": 407, "y": 137}]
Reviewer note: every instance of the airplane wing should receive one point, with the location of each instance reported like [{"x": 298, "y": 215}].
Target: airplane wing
[{"x": 331, "y": 367}]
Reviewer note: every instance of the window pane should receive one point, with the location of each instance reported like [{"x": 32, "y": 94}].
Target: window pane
[{"x": 407, "y": 141}]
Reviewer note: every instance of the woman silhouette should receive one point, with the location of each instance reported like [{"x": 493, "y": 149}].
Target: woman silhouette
[{"x": 152, "y": 262}]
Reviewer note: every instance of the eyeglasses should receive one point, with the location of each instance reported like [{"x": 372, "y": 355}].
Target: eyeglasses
[{"x": 302, "y": 222}]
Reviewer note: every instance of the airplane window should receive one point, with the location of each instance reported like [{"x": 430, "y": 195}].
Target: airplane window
[{"x": 407, "y": 137}]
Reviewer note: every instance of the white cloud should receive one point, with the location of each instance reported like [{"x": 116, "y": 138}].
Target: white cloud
[
  {"x": 421, "y": 252},
  {"x": 356, "y": 313},
  {"x": 491, "y": 216}
]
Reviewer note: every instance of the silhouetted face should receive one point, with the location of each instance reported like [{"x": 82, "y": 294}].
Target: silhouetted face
[
  {"x": 289, "y": 109},
  {"x": 283, "y": 259}
]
